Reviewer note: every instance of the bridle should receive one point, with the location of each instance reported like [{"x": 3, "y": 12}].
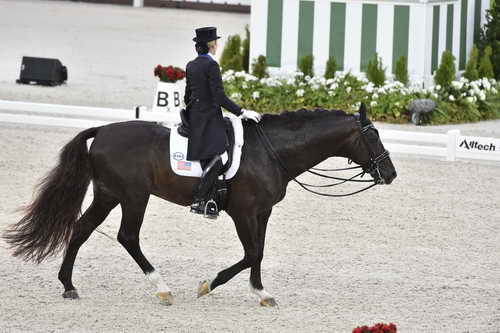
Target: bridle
[
  {"x": 373, "y": 165},
  {"x": 374, "y": 162}
]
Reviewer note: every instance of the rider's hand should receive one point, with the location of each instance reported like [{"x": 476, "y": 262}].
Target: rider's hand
[{"x": 249, "y": 114}]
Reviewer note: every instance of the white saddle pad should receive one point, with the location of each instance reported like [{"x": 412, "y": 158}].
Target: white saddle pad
[{"x": 179, "y": 145}]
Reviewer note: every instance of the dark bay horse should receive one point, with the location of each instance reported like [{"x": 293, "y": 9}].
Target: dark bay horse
[{"x": 129, "y": 161}]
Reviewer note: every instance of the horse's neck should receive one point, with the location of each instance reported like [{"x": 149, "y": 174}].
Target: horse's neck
[{"x": 303, "y": 146}]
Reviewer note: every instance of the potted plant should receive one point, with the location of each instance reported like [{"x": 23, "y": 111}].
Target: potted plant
[{"x": 168, "y": 93}]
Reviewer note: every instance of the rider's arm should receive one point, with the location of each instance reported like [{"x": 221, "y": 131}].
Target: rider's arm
[
  {"x": 217, "y": 89},
  {"x": 187, "y": 94}
]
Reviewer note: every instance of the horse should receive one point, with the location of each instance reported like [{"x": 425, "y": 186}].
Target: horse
[{"x": 129, "y": 161}]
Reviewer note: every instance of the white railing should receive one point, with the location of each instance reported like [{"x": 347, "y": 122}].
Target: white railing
[{"x": 449, "y": 146}]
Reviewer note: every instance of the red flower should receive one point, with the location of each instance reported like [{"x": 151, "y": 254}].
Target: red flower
[
  {"x": 377, "y": 328},
  {"x": 169, "y": 73}
]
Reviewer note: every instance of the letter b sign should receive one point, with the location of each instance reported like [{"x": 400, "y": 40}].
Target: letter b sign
[{"x": 167, "y": 97}]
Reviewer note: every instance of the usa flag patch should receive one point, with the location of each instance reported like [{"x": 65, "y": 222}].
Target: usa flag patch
[{"x": 184, "y": 165}]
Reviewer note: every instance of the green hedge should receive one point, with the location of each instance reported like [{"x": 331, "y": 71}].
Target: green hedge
[{"x": 462, "y": 101}]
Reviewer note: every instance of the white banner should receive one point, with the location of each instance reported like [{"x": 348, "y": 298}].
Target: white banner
[
  {"x": 168, "y": 97},
  {"x": 477, "y": 144}
]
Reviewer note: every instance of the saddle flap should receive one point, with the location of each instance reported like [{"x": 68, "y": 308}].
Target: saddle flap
[{"x": 234, "y": 143}]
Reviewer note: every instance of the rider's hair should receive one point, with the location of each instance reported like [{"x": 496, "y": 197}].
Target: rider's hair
[{"x": 203, "y": 47}]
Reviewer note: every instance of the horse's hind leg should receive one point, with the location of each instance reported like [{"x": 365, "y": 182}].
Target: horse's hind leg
[
  {"x": 88, "y": 222},
  {"x": 256, "y": 286},
  {"x": 128, "y": 236}
]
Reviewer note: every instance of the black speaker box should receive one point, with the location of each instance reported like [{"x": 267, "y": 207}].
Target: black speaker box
[{"x": 44, "y": 71}]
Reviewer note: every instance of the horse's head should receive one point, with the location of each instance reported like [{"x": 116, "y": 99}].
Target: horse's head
[{"x": 369, "y": 152}]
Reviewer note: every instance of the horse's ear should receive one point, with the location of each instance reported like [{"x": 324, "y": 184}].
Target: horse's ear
[{"x": 362, "y": 112}]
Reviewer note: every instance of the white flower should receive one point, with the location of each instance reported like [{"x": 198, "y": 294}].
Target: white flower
[
  {"x": 494, "y": 90},
  {"x": 334, "y": 86},
  {"x": 435, "y": 95},
  {"x": 307, "y": 78},
  {"x": 438, "y": 87},
  {"x": 331, "y": 93},
  {"x": 452, "y": 98},
  {"x": 255, "y": 95},
  {"x": 330, "y": 81},
  {"x": 348, "y": 89},
  {"x": 290, "y": 82},
  {"x": 470, "y": 99},
  {"x": 244, "y": 86},
  {"x": 482, "y": 95},
  {"x": 375, "y": 96},
  {"x": 300, "y": 92},
  {"x": 236, "y": 95},
  {"x": 373, "y": 103}
]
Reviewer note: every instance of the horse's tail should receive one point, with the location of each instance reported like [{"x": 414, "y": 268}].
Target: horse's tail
[{"x": 49, "y": 220}]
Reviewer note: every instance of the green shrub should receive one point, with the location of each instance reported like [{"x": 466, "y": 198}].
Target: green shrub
[
  {"x": 471, "y": 72},
  {"x": 306, "y": 65},
  {"x": 246, "y": 50},
  {"x": 376, "y": 71},
  {"x": 446, "y": 72},
  {"x": 231, "y": 55},
  {"x": 401, "y": 71},
  {"x": 259, "y": 67},
  {"x": 490, "y": 35},
  {"x": 331, "y": 68},
  {"x": 485, "y": 65}
]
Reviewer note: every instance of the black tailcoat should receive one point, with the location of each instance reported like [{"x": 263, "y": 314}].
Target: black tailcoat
[{"x": 204, "y": 97}]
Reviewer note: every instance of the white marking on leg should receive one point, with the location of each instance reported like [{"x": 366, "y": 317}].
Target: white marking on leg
[
  {"x": 155, "y": 278},
  {"x": 262, "y": 294}
]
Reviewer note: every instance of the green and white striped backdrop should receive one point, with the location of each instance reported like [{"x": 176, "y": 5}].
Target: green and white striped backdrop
[{"x": 353, "y": 30}]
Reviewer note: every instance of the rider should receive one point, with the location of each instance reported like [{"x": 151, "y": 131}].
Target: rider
[{"x": 203, "y": 98}]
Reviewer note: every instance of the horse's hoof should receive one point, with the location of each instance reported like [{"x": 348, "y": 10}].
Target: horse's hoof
[
  {"x": 268, "y": 302},
  {"x": 166, "y": 298},
  {"x": 203, "y": 288},
  {"x": 70, "y": 294}
]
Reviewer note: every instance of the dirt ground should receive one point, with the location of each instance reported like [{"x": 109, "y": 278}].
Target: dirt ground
[{"x": 422, "y": 253}]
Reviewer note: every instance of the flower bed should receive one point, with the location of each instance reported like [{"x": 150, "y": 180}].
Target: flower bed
[{"x": 463, "y": 101}]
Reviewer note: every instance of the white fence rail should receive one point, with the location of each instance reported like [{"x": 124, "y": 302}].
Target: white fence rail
[{"x": 449, "y": 146}]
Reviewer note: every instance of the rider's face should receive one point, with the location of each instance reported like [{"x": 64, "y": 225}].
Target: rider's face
[{"x": 213, "y": 49}]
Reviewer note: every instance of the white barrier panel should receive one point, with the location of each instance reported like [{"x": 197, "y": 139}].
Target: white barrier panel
[
  {"x": 51, "y": 121},
  {"x": 478, "y": 147},
  {"x": 67, "y": 110},
  {"x": 449, "y": 146}
]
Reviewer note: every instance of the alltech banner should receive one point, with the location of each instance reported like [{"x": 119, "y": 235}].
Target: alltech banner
[{"x": 475, "y": 144}]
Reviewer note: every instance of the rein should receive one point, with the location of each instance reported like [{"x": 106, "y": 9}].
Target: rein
[{"x": 305, "y": 186}]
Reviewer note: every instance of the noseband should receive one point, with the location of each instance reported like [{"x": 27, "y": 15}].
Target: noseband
[{"x": 374, "y": 162}]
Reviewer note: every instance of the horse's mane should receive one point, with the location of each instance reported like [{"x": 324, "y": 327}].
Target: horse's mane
[
  {"x": 302, "y": 116},
  {"x": 305, "y": 114}
]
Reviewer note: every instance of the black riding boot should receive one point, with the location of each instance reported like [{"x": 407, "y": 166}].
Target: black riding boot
[{"x": 202, "y": 204}]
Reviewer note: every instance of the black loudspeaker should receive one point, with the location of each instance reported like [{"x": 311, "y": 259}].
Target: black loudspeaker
[{"x": 44, "y": 71}]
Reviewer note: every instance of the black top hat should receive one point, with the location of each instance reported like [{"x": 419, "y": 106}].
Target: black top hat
[{"x": 206, "y": 34}]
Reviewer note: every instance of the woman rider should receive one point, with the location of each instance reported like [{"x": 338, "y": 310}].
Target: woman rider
[{"x": 203, "y": 98}]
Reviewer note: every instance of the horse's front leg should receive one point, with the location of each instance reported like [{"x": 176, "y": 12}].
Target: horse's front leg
[
  {"x": 246, "y": 227},
  {"x": 256, "y": 286}
]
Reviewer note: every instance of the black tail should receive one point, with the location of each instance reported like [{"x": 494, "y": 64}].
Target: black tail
[{"x": 49, "y": 220}]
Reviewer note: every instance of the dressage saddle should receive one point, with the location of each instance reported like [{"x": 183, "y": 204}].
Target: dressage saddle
[{"x": 184, "y": 130}]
